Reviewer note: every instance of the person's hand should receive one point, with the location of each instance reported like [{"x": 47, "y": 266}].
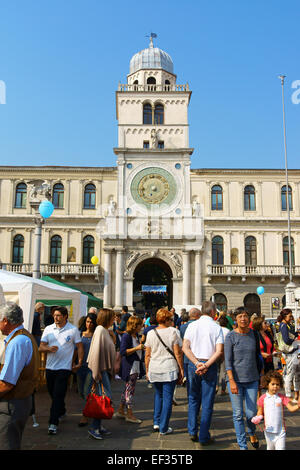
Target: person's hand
[
  {"x": 256, "y": 419},
  {"x": 201, "y": 369},
  {"x": 140, "y": 347},
  {"x": 94, "y": 384},
  {"x": 53, "y": 349},
  {"x": 75, "y": 367},
  {"x": 180, "y": 377},
  {"x": 233, "y": 387}
]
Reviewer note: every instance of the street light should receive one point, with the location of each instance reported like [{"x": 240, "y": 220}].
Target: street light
[
  {"x": 282, "y": 77},
  {"x": 39, "y": 200}
]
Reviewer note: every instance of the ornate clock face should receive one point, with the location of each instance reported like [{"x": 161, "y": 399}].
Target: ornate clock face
[{"x": 153, "y": 186}]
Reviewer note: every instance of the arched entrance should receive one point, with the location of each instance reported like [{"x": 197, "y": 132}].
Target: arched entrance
[
  {"x": 152, "y": 285},
  {"x": 252, "y": 303},
  {"x": 221, "y": 302}
]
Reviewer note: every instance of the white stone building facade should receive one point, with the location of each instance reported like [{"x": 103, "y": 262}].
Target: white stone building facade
[{"x": 152, "y": 219}]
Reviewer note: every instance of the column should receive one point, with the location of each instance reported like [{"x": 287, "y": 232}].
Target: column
[
  {"x": 107, "y": 279},
  {"x": 67, "y": 197},
  {"x": 198, "y": 279},
  {"x": 119, "y": 279},
  {"x": 186, "y": 278},
  {"x": 36, "y": 273}
]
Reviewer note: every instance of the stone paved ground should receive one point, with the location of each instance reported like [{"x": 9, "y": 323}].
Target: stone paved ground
[{"x": 127, "y": 436}]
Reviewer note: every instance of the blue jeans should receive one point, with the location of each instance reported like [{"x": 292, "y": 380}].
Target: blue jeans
[
  {"x": 248, "y": 393},
  {"x": 84, "y": 381},
  {"x": 96, "y": 423},
  {"x": 202, "y": 390},
  {"x": 163, "y": 400}
]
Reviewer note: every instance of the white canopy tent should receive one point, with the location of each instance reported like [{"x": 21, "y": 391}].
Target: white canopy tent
[{"x": 25, "y": 291}]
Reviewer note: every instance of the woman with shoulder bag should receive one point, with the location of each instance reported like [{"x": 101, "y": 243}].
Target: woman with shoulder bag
[
  {"x": 101, "y": 361},
  {"x": 132, "y": 368},
  {"x": 164, "y": 368},
  {"x": 291, "y": 371}
]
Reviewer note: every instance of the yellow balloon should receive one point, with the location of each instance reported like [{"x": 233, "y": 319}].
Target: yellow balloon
[{"x": 94, "y": 260}]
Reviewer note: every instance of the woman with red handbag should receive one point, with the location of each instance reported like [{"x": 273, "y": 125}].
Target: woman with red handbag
[
  {"x": 131, "y": 367},
  {"x": 101, "y": 361}
]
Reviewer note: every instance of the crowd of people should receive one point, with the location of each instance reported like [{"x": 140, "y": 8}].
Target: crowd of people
[{"x": 206, "y": 350}]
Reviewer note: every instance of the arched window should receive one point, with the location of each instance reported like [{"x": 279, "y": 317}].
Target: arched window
[
  {"x": 88, "y": 249},
  {"x": 159, "y": 114},
  {"x": 151, "y": 81},
  {"x": 58, "y": 196},
  {"x": 284, "y": 198},
  {"x": 147, "y": 113},
  {"x": 21, "y": 196},
  {"x": 55, "y": 250},
  {"x": 217, "y": 250},
  {"x": 216, "y": 198},
  {"x": 221, "y": 302},
  {"x": 89, "y": 196},
  {"x": 249, "y": 198},
  {"x": 286, "y": 251},
  {"x": 250, "y": 251},
  {"x": 252, "y": 303},
  {"x": 18, "y": 249}
]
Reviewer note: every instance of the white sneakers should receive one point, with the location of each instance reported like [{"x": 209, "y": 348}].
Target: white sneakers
[
  {"x": 169, "y": 431},
  {"x": 52, "y": 429}
]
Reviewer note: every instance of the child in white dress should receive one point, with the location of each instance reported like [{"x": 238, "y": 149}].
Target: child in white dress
[{"x": 270, "y": 408}]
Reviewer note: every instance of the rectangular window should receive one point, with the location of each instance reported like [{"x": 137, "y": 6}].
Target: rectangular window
[
  {"x": 58, "y": 199},
  {"x": 249, "y": 202},
  {"x": 160, "y": 144},
  {"x": 20, "y": 202},
  {"x": 217, "y": 202},
  {"x": 146, "y": 144}
]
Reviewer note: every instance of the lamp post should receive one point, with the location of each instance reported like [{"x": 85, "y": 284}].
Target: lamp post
[
  {"x": 282, "y": 77},
  {"x": 291, "y": 286},
  {"x": 39, "y": 195}
]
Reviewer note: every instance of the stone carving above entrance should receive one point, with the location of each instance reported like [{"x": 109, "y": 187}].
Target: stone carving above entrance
[{"x": 174, "y": 260}]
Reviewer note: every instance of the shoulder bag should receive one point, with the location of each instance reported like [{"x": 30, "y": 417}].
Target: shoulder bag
[
  {"x": 167, "y": 347},
  {"x": 98, "y": 406}
]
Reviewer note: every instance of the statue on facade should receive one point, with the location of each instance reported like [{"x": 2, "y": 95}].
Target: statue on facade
[
  {"x": 112, "y": 205},
  {"x": 153, "y": 139},
  {"x": 196, "y": 208},
  {"x": 39, "y": 191}
]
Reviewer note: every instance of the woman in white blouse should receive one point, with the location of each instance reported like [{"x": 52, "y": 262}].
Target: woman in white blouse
[{"x": 164, "y": 368}]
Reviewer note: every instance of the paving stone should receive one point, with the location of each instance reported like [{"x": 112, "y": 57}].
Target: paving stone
[{"x": 128, "y": 436}]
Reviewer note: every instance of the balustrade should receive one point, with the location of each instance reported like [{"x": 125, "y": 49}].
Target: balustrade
[{"x": 125, "y": 87}]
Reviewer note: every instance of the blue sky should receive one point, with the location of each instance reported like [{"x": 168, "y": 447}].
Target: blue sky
[{"x": 62, "y": 60}]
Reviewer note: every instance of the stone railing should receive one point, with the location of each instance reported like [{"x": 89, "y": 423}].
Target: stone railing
[
  {"x": 247, "y": 270},
  {"x": 156, "y": 88},
  {"x": 49, "y": 269}
]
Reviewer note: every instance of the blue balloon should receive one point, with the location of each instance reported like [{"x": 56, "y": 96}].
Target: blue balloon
[
  {"x": 260, "y": 290},
  {"x": 46, "y": 209}
]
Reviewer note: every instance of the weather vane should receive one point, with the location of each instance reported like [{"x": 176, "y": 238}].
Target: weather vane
[{"x": 151, "y": 36}]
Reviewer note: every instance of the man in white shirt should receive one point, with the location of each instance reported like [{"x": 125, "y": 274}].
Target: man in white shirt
[
  {"x": 59, "y": 341},
  {"x": 203, "y": 344}
]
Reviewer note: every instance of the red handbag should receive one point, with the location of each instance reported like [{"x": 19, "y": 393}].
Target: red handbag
[{"x": 98, "y": 406}]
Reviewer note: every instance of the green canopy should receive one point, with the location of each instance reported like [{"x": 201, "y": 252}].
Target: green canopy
[{"x": 92, "y": 300}]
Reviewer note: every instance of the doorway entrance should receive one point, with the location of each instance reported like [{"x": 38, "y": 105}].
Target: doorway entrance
[
  {"x": 152, "y": 286},
  {"x": 252, "y": 303}
]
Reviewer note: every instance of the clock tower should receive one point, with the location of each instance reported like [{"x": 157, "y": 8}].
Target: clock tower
[
  {"x": 153, "y": 135},
  {"x": 153, "y": 207}
]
